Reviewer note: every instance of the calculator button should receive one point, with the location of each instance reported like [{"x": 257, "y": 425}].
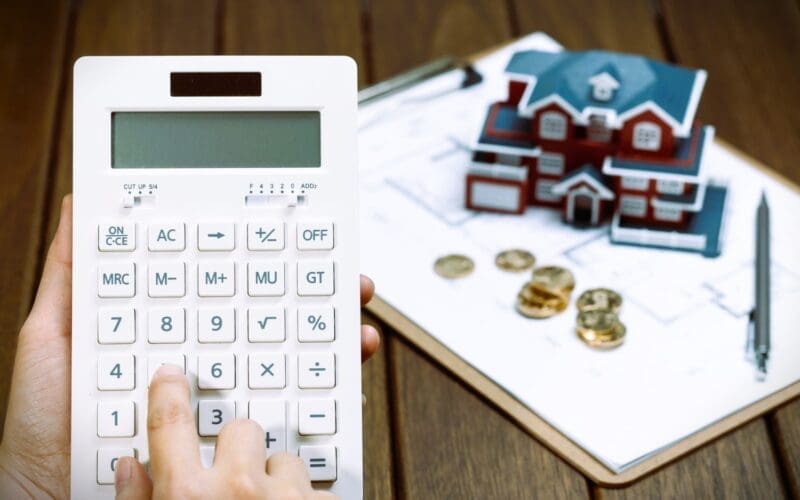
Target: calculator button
[
  {"x": 320, "y": 461},
  {"x": 216, "y": 279},
  {"x": 207, "y": 456},
  {"x": 265, "y": 236},
  {"x": 215, "y": 237},
  {"x": 212, "y": 415},
  {"x": 116, "y": 237},
  {"x": 166, "y": 326},
  {"x": 166, "y": 237},
  {"x": 166, "y": 279},
  {"x": 216, "y": 371},
  {"x": 116, "y": 326},
  {"x": 314, "y": 277},
  {"x": 316, "y": 416},
  {"x": 271, "y": 416},
  {"x": 156, "y": 361},
  {"x": 216, "y": 324},
  {"x": 316, "y": 370},
  {"x": 116, "y": 279},
  {"x": 265, "y": 279},
  {"x": 267, "y": 370},
  {"x": 107, "y": 462},
  {"x": 116, "y": 419},
  {"x": 266, "y": 324},
  {"x": 316, "y": 324},
  {"x": 115, "y": 372},
  {"x": 314, "y": 235}
]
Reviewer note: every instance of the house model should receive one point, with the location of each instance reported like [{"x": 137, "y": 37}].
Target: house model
[{"x": 603, "y": 137}]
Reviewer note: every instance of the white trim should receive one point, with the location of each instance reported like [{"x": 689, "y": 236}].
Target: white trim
[
  {"x": 656, "y": 110},
  {"x": 508, "y": 150},
  {"x": 583, "y": 190},
  {"x": 694, "y": 207},
  {"x": 602, "y": 191},
  {"x": 498, "y": 171},
  {"x": 694, "y": 101},
  {"x": 649, "y": 237}
]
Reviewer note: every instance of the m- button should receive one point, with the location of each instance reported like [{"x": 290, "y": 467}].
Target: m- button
[
  {"x": 116, "y": 237},
  {"x": 314, "y": 235}
]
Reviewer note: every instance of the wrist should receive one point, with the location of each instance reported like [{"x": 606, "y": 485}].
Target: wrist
[{"x": 13, "y": 484}]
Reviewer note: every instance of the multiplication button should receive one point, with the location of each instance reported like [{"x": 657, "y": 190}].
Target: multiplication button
[
  {"x": 116, "y": 237},
  {"x": 314, "y": 235}
]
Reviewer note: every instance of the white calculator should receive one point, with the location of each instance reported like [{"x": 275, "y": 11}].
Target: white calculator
[{"x": 215, "y": 228}]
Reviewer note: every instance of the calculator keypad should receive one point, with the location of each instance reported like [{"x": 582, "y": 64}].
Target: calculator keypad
[{"x": 167, "y": 319}]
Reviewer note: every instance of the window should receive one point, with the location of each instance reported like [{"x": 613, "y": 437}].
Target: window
[
  {"x": 647, "y": 136},
  {"x": 633, "y": 206},
  {"x": 544, "y": 190},
  {"x": 551, "y": 164},
  {"x": 668, "y": 214},
  {"x": 598, "y": 129},
  {"x": 553, "y": 125},
  {"x": 635, "y": 183},
  {"x": 506, "y": 159},
  {"x": 669, "y": 187}
]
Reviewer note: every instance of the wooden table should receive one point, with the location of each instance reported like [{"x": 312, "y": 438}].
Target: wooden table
[{"x": 426, "y": 435}]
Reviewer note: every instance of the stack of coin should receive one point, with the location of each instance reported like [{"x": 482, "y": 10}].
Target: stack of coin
[
  {"x": 547, "y": 293},
  {"x": 598, "y": 321}
]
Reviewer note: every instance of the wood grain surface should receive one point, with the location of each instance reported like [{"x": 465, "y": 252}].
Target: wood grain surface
[{"x": 426, "y": 434}]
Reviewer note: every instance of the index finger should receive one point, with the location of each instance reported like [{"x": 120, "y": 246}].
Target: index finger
[{"x": 172, "y": 439}]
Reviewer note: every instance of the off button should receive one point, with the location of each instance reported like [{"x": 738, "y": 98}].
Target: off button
[{"x": 314, "y": 235}]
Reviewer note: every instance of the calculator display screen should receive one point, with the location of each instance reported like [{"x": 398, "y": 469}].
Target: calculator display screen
[{"x": 227, "y": 139}]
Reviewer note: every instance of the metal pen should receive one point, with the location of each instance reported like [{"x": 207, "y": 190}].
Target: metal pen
[{"x": 762, "y": 308}]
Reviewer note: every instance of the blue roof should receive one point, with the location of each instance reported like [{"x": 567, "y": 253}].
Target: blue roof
[
  {"x": 641, "y": 79},
  {"x": 513, "y": 129}
]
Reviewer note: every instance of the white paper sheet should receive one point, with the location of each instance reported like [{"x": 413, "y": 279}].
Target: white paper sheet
[{"x": 682, "y": 366}]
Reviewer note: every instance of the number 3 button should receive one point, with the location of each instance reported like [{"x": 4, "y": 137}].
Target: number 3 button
[
  {"x": 212, "y": 415},
  {"x": 216, "y": 371}
]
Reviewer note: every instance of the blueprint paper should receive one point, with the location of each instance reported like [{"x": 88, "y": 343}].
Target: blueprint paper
[{"x": 683, "y": 364}]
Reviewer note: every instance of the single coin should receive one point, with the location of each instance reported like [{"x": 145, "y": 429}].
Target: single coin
[
  {"x": 601, "y": 323},
  {"x": 453, "y": 266},
  {"x": 554, "y": 278},
  {"x": 515, "y": 260},
  {"x": 615, "y": 339},
  {"x": 599, "y": 299}
]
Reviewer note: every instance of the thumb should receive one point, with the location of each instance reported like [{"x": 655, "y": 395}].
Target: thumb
[{"x": 131, "y": 480}]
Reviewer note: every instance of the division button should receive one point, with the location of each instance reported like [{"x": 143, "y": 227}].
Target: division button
[{"x": 317, "y": 370}]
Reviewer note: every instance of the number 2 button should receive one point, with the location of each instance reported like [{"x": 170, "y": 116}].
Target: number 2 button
[{"x": 216, "y": 371}]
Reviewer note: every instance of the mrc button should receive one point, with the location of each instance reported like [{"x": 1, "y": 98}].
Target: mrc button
[{"x": 314, "y": 235}]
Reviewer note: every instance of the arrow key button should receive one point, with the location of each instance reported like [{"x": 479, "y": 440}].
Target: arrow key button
[{"x": 215, "y": 237}]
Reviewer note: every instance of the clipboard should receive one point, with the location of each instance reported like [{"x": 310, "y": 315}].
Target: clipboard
[{"x": 539, "y": 428}]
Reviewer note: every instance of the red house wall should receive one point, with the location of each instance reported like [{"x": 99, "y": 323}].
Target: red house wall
[{"x": 626, "y": 136}]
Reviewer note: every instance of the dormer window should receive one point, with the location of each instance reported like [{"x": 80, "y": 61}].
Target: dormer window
[{"x": 603, "y": 86}]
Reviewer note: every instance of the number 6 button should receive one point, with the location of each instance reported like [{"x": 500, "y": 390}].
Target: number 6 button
[{"x": 216, "y": 371}]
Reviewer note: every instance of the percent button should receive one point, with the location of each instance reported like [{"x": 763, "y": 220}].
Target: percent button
[{"x": 316, "y": 324}]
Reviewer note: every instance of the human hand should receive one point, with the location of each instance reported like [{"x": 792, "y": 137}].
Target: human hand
[{"x": 35, "y": 452}]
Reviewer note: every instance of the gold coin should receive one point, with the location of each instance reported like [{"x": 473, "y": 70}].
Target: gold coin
[
  {"x": 453, "y": 266},
  {"x": 599, "y": 323},
  {"x": 614, "y": 339},
  {"x": 554, "y": 278},
  {"x": 515, "y": 260},
  {"x": 599, "y": 299},
  {"x": 534, "y": 302}
]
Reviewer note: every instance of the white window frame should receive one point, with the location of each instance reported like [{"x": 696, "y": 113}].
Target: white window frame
[
  {"x": 550, "y": 164},
  {"x": 647, "y": 136},
  {"x": 635, "y": 183},
  {"x": 602, "y": 92},
  {"x": 553, "y": 126},
  {"x": 633, "y": 206},
  {"x": 668, "y": 214},
  {"x": 507, "y": 159},
  {"x": 669, "y": 187},
  {"x": 544, "y": 190}
]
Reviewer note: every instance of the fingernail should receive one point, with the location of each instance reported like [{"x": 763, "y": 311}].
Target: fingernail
[
  {"x": 123, "y": 473},
  {"x": 167, "y": 370}
]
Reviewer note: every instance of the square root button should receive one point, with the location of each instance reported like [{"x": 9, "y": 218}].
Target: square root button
[{"x": 315, "y": 277}]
